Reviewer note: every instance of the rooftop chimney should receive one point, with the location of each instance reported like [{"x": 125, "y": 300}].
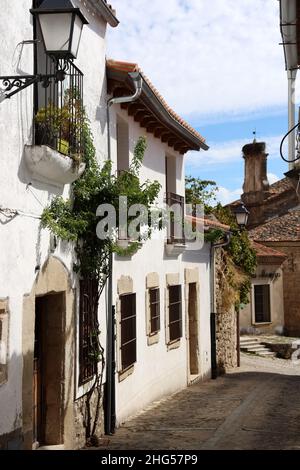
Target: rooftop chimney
[{"x": 256, "y": 183}]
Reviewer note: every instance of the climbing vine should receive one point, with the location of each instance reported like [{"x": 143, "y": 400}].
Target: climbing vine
[
  {"x": 75, "y": 220},
  {"x": 238, "y": 259}
]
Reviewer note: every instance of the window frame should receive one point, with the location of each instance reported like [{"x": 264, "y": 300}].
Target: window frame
[
  {"x": 87, "y": 367},
  {"x": 179, "y": 302},
  {"x": 125, "y": 366},
  {"x": 157, "y": 315},
  {"x": 253, "y": 303}
]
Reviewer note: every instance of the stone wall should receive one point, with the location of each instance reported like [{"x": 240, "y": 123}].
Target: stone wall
[
  {"x": 226, "y": 335},
  {"x": 282, "y": 350},
  {"x": 12, "y": 440},
  {"x": 226, "y": 324},
  {"x": 291, "y": 283},
  {"x": 80, "y": 415}
]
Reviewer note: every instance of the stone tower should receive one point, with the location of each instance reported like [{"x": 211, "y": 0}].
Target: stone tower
[{"x": 256, "y": 184}]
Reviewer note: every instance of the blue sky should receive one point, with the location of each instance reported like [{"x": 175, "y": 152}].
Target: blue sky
[{"x": 219, "y": 65}]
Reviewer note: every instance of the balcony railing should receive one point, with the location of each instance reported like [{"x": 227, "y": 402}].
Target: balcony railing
[
  {"x": 175, "y": 204},
  {"x": 60, "y": 113}
]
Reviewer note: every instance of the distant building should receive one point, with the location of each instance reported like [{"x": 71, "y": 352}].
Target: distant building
[{"x": 274, "y": 227}]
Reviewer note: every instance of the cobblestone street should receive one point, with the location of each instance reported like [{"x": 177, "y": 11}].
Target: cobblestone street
[{"x": 254, "y": 407}]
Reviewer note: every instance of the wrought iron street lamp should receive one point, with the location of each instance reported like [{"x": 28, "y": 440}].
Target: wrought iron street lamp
[
  {"x": 61, "y": 26},
  {"x": 241, "y": 214}
]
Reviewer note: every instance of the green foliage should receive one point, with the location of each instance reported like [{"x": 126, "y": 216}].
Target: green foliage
[
  {"x": 240, "y": 257},
  {"x": 76, "y": 221},
  {"x": 240, "y": 250},
  {"x": 199, "y": 191},
  {"x": 63, "y": 125}
]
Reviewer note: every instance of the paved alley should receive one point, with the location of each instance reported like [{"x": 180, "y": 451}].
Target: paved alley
[{"x": 254, "y": 407}]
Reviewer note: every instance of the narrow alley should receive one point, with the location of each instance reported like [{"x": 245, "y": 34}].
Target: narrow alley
[{"x": 254, "y": 407}]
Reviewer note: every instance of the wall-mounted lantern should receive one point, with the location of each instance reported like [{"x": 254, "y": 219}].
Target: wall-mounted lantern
[
  {"x": 241, "y": 214},
  {"x": 61, "y": 26}
]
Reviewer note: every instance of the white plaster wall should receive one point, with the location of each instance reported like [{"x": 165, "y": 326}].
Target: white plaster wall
[
  {"x": 247, "y": 315},
  {"x": 158, "y": 372},
  {"x": 201, "y": 260},
  {"x": 23, "y": 245}
]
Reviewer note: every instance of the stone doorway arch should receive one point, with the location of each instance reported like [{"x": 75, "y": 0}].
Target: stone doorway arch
[{"x": 52, "y": 299}]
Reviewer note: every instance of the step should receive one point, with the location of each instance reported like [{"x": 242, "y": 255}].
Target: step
[
  {"x": 260, "y": 347},
  {"x": 251, "y": 345},
  {"x": 267, "y": 353},
  {"x": 246, "y": 341},
  {"x": 256, "y": 351}
]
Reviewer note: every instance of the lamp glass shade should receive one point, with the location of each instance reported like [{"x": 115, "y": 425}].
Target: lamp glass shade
[
  {"x": 77, "y": 30},
  {"x": 242, "y": 218},
  {"x": 56, "y": 30},
  {"x": 61, "y": 26}
]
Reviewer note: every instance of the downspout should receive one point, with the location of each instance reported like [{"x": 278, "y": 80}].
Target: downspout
[
  {"x": 214, "y": 246},
  {"x": 291, "y": 113},
  {"x": 110, "y": 421}
]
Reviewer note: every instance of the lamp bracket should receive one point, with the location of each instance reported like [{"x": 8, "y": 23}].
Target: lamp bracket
[{"x": 13, "y": 84}]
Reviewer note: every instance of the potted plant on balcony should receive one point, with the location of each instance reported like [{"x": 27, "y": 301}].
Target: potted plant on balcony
[
  {"x": 59, "y": 152},
  {"x": 61, "y": 127}
]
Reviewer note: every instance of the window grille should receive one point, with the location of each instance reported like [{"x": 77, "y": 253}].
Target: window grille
[
  {"x": 88, "y": 330},
  {"x": 175, "y": 313},
  {"x": 154, "y": 301},
  {"x": 176, "y": 222},
  {"x": 128, "y": 330}
]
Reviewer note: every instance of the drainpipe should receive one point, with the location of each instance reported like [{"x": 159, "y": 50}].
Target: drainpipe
[
  {"x": 110, "y": 420},
  {"x": 291, "y": 112},
  {"x": 214, "y": 246}
]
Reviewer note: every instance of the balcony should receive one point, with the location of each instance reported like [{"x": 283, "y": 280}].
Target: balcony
[
  {"x": 175, "y": 243},
  {"x": 57, "y": 154}
]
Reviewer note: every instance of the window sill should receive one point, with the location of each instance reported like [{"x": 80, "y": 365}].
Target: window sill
[
  {"x": 174, "y": 345},
  {"x": 174, "y": 249},
  {"x": 153, "y": 339},
  {"x": 262, "y": 323},
  {"x": 126, "y": 373}
]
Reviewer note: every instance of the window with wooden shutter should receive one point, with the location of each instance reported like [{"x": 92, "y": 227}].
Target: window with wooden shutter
[
  {"x": 88, "y": 330},
  {"x": 154, "y": 307},
  {"x": 128, "y": 330},
  {"x": 262, "y": 303},
  {"x": 175, "y": 313}
]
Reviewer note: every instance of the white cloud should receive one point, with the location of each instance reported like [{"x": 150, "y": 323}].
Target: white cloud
[
  {"x": 221, "y": 153},
  {"x": 225, "y": 196},
  {"x": 207, "y": 57},
  {"x": 272, "y": 178}
]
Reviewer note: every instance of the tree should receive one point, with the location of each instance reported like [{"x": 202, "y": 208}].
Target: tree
[
  {"x": 239, "y": 257},
  {"x": 202, "y": 192}
]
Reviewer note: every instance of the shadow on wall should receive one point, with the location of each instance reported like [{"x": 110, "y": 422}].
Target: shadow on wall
[{"x": 11, "y": 436}]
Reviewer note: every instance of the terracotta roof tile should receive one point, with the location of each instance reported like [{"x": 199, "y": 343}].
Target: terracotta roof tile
[
  {"x": 263, "y": 251},
  {"x": 209, "y": 223},
  {"x": 133, "y": 67},
  {"x": 283, "y": 228},
  {"x": 275, "y": 190}
]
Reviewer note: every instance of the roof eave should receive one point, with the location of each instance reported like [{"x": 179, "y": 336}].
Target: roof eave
[
  {"x": 172, "y": 122},
  {"x": 148, "y": 97},
  {"x": 106, "y": 12}
]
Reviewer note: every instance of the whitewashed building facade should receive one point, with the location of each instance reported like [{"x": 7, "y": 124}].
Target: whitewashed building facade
[{"x": 161, "y": 295}]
